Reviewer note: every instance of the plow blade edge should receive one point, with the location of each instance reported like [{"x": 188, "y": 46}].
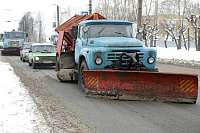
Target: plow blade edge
[
  {"x": 10, "y": 52},
  {"x": 140, "y": 85}
]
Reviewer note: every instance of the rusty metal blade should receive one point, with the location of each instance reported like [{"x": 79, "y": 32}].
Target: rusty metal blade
[{"x": 140, "y": 85}]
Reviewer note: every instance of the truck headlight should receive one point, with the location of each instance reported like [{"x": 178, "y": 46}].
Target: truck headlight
[
  {"x": 98, "y": 61},
  {"x": 37, "y": 58},
  {"x": 151, "y": 60}
]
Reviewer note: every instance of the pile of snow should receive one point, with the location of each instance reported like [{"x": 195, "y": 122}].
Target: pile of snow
[
  {"x": 178, "y": 57},
  {"x": 18, "y": 112}
]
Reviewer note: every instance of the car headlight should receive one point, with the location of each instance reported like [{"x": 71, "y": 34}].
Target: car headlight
[
  {"x": 98, "y": 60},
  {"x": 37, "y": 58},
  {"x": 151, "y": 60},
  {"x": 26, "y": 54}
]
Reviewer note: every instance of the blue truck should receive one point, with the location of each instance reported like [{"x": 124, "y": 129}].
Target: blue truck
[
  {"x": 92, "y": 42},
  {"x": 12, "y": 42},
  {"x": 106, "y": 59}
]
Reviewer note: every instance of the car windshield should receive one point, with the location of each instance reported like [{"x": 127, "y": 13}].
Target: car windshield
[
  {"x": 26, "y": 46},
  {"x": 48, "y": 49},
  {"x": 109, "y": 31}
]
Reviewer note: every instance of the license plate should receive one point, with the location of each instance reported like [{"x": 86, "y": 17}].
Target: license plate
[{"x": 48, "y": 61}]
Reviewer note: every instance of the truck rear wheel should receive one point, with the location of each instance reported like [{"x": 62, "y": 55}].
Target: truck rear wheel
[
  {"x": 81, "y": 76},
  {"x": 57, "y": 68}
]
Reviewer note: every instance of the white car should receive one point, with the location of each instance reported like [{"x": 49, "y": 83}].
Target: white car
[{"x": 24, "y": 51}]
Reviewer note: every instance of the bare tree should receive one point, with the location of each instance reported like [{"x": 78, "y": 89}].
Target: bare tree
[
  {"x": 65, "y": 14},
  {"x": 40, "y": 28},
  {"x": 26, "y": 24},
  {"x": 118, "y": 9}
]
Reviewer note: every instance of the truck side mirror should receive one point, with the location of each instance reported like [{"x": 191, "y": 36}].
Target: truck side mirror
[
  {"x": 26, "y": 34},
  {"x": 74, "y": 31}
]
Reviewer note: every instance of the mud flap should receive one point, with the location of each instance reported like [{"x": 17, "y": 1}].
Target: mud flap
[{"x": 140, "y": 85}]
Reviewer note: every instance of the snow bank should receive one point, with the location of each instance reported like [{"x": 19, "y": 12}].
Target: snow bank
[{"x": 18, "y": 112}]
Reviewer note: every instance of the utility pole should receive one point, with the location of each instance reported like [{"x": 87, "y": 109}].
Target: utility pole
[
  {"x": 90, "y": 6},
  {"x": 58, "y": 17},
  {"x": 139, "y": 17},
  {"x": 155, "y": 22},
  {"x": 179, "y": 25},
  {"x": 40, "y": 31}
]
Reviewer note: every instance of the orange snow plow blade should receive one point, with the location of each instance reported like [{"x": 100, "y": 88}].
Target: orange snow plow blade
[
  {"x": 140, "y": 85},
  {"x": 10, "y": 52}
]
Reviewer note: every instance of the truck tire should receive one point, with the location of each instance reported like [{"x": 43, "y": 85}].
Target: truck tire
[
  {"x": 57, "y": 68},
  {"x": 81, "y": 76}
]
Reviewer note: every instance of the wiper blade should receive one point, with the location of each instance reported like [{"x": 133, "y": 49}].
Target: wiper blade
[
  {"x": 101, "y": 31},
  {"x": 120, "y": 33}
]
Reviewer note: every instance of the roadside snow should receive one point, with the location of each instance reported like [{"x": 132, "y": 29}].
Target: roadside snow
[
  {"x": 18, "y": 112},
  {"x": 173, "y": 53},
  {"x": 179, "y": 57}
]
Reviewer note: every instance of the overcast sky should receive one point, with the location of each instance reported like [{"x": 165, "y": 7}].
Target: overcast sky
[{"x": 13, "y": 10}]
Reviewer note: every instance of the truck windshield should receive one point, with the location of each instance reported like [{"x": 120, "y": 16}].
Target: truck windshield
[
  {"x": 50, "y": 49},
  {"x": 110, "y": 31},
  {"x": 14, "y": 35}
]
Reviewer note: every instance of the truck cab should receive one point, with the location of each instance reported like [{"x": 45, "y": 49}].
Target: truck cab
[
  {"x": 109, "y": 44},
  {"x": 13, "y": 39},
  {"x": 12, "y": 42}
]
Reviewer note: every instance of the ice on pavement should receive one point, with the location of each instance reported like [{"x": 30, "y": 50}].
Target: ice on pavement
[{"x": 18, "y": 112}]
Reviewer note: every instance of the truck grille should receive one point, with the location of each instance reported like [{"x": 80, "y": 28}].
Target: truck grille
[
  {"x": 14, "y": 44},
  {"x": 114, "y": 56},
  {"x": 47, "y": 58}
]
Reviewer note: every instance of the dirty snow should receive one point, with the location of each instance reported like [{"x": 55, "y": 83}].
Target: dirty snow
[{"x": 18, "y": 112}]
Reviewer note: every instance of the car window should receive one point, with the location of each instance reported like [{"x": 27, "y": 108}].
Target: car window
[
  {"x": 44, "y": 49},
  {"x": 27, "y": 46}
]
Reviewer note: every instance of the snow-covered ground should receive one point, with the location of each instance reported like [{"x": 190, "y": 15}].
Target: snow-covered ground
[
  {"x": 183, "y": 57},
  {"x": 18, "y": 112}
]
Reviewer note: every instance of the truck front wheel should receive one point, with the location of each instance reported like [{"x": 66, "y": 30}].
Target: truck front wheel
[{"x": 81, "y": 76}]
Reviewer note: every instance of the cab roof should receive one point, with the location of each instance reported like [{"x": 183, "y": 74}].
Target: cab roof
[
  {"x": 101, "y": 21},
  {"x": 42, "y": 44}
]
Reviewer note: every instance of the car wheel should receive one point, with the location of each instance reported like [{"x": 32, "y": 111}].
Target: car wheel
[
  {"x": 33, "y": 65},
  {"x": 23, "y": 59},
  {"x": 29, "y": 63}
]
